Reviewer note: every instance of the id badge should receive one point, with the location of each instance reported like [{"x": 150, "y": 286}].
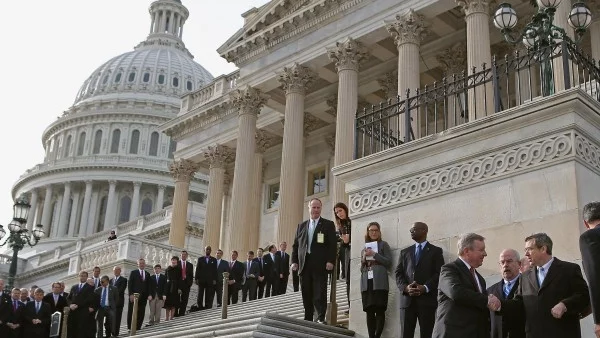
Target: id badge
[
  {"x": 370, "y": 274},
  {"x": 320, "y": 238}
]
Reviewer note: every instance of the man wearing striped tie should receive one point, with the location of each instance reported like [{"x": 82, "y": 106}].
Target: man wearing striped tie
[{"x": 108, "y": 295}]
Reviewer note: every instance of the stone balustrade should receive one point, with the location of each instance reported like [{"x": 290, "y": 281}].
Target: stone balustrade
[{"x": 217, "y": 88}]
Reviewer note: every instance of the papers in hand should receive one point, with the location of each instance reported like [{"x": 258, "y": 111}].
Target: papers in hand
[{"x": 372, "y": 246}]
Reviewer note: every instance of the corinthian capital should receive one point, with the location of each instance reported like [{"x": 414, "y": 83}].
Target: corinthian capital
[
  {"x": 296, "y": 79},
  {"x": 248, "y": 100},
  {"x": 183, "y": 170},
  {"x": 348, "y": 54},
  {"x": 218, "y": 156},
  {"x": 453, "y": 59},
  {"x": 409, "y": 27},
  {"x": 263, "y": 141},
  {"x": 475, "y": 6}
]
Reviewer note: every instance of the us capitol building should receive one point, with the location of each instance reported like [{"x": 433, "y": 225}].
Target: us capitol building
[{"x": 397, "y": 108}]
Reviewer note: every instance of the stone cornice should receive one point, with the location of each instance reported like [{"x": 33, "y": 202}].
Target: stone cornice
[
  {"x": 199, "y": 118},
  {"x": 47, "y": 269}
]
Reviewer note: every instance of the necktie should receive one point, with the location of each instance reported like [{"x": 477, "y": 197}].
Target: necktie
[
  {"x": 418, "y": 254},
  {"x": 507, "y": 287},
  {"x": 143, "y": 275},
  {"x": 474, "y": 277},
  {"x": 80, "y": 286},
  {"x": 541, "y": 275},
  {"x": 115, "y": 281},
  {"x": 248, "y": 267},
  {"x": 311, "y": 232},
  {"x": 37, "y": 307},
  {"x": 231, "y": 265},
  {"x": 183, "y": 270},
  {"x": 55, "y": 299},
  {"x": 15, "y": 306},
  {"x": 103, "y": 300},
  {"x": 206, "y": 260}
]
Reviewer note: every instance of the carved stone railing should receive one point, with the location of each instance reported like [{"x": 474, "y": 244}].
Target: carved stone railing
[{"x": 217, "y": 88}]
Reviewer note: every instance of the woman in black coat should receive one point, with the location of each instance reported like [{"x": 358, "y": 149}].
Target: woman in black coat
[
  {"x": 344, "y": 228},
  {"x": 173, "y": 288}
]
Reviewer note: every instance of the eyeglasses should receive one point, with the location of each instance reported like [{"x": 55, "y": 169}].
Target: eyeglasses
[{"x": 373, "y": 230}]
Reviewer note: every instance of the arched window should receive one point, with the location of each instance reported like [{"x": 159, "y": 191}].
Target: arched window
[
  {"x": 97, "y": 142},
  {"x": 175, "y": 82},
  {"x": 172, "y": 148},
  {"x": 105, "y": 79},
  {"x": 146, "y": 206},
  {"x": 131, "y": 77},
  {"x": 101, "y": 214},
  {"x": 189, "y": 86},
  {"x": 67, "y": 146},
  {"x": 154, "y": 144},
  {"x": 135, "y": 142},
  {"x": 118, "y": 78},
  {"x": 161, "y": 79},
  {"x": 81, "y": 144},
  {"x": 116, "y": 139},
  {"x": 146, "y": 77},
  {"x": 125, "y": 209}
]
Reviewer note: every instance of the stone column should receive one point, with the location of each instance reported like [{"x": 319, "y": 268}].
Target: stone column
[
  {"x": 74, "y": 210},
  {"x": 295, "y": 81},
  {"x": 226, "y": 212},
  {"x": 109, "y": 217},
  {"x": 183, "y": 171},
  {"x": 160, "y": 199},
  {"x": 263, "y": 142},
  {"x": 85, "y": 209},
  {"x": 91, "y": 227},
  {"x": 152, "y": 24},
  {"x": 47, "y": 211},
  {"x": 408, "y": 30},
  {"x": 478, "y": 52},
  {"x": 217, "y": 156},
  {"x": 135, "y": 201},
  {"x": 248, "y": 102},
  {"x": 64, "y": 211},
  {"x": 32, "y": 210},
  {"x": 453, "y": 61},
  {"x": 347, "y": 56},
  {"x": 171, "y": 22},
  {"x": 561, "y": 20}
]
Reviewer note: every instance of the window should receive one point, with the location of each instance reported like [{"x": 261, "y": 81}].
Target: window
[
  {"x": 146, "y": 77},
  {"x": 67, "y": 146},
  {"x": 161, "y": 79},
  {"x": 118, "y": 78},
  {"x": 189, "y": 86},
  {"x": 172, "y": 148},
  {"x": 317, "y": 181},
  {"x": 131, "y": 77},
  {"x": 273, "y": 196},
  {"x": 97, "y": 142},
  {"x": 175, "y": 82},
  {"x": 146, "y": 206},
  {"x": 105, "y": 79},
  {"x": 154, "y": 144},
  {"x": 135, "y": 142},
  {"x": 125, "y": 209},
  {"x": 81, "y": 144},
  {"x": 116, "y": 139}
]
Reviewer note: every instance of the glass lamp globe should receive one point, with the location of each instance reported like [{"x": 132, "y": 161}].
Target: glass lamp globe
[
  {"x": 14, "y": 226},
  {"x": 548, "y": 3},
  {"x": 530, "y": 38},
  {"x": 580, "y": 16},
  {"x": 505, "y": 17},
  {"x": 2, "y": 232},
  {"x": 21, "y": 209},
  {"x": 38, "y": 232}
]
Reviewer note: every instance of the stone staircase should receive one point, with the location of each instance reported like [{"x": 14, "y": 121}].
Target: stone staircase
[{"x": 278, "y": 316}]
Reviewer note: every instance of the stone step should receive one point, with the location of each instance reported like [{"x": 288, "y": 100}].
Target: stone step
[{"x": 283, "y": 326}]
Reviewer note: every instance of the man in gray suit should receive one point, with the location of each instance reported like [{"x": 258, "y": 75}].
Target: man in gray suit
[
  {"x": 251, "y": 272},
  {"x": 109, "y": 298},
  {"x": 462, "y": 298}
]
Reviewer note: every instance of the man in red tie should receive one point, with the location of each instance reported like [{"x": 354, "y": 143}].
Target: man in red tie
[
  {"x": 187, "y": 279},
  {"x": 138, "y": 283},
  {"x": 12, "y": 317},
  {"x": 236, "y": 275}
]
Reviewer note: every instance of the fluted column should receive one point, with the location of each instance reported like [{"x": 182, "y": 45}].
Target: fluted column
[
  {"x": 453, "y": 61},
  {"x": 34, "y": 204},
  {"x": 263, "y": 142},
  {"x": 347, "y": 56},
  {"x": 73, "y": 216},
  {"x": 160, "y": 198},
  {"x": 85, "y": 209},
  {"x": 92, "y": 221},
  {"x": 594, "y": 6},
  {"x": 217, "y": 156},
  {"x": 478, "y": 52},
  {"x": 64, "y": 211},
  {"x": 248, "y": 102},
  {"x": 561, "y": 20},
  {"x": 135, "y": 201},
  {"x": 109, "y": 217},
  {"x": 47, "y": 211},
  {"x": 295, "y": 81},
  {"x": 183, "y": 171}
]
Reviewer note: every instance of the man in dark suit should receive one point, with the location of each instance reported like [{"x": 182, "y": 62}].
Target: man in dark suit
[
  {"x": 206, "y": 279},
  {"x": 158, "y": 291},
  {"x": 417, "y": 277},
  {"x": 139, "y": 282},
  {"x": 187, "y": 279},
  {"x": 5, "y": 305},
  {"x": 462, "y": 300},
  {"x": 96, "y": 277},
  {"x": 36, "y": 317},
  {"x": 107, "y": 308},
  {"x": 120, "y": 283},
  {"x": 284, "y": 270},
  {"x": 251, "y": 271},
  {"x": 313, "y": 256},
  {"x": 11, "y": 316},
  {"x": 552, "y": 293},
  {"x": 589, "y": 244},
  {"x": 260, "y": 281},
  {"x": 81, "y": 303},
  {"x": 236, "y": 275},
  {"x": 509, "y": 325},
  {"x": 56, "y": 301},
  {"x": 62, "y": 290},
  {"x": 272, "y": 271},
  {"x": 222, "y": 266}
]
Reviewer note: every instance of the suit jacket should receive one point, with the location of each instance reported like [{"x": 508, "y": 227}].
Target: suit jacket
[
  {"x": 189, "y": 274},
  {"x": 5, "y": 307},
  {"x": 82, "y": 298},
  {"x": 206, "y": 272},
  {"x": 284, "y": 264},
  {"x": 261, "y": 266},
  {"x": 425, "y": 272},
  {"x": 58, "y": 306},
  {"x": 272, "y": 266},
  {"x": 509, "y": 325},
  {"x": 222, "y": 266},
  {"x": 112, "y": 296},
  {"x": 236, "y": 272},
  {"x": 137, "y": 285},
  {"x": 158, "y": 289},
  {"x": 321, "y": 253},
  {"x": 65, "y": 294},
  {"x": 589, "y": 244},
  {"x": 41, "y": 330},
  {"x": 563, "y": 283},
  {"x": 462, "y": 310},
  {"x": 121, "y": 286},
  {"x": 254, "y": 270},
  {"x": 13, "y": 316}
]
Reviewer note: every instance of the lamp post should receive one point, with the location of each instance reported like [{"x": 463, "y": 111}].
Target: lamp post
[
  {"x": 540, "y": 35},
  {"x": 19, "y": 235}
]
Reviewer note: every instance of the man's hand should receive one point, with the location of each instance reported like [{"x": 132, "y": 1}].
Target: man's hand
[
  {"x": 251, "y": 275},
  {"x": 36, "y": 321},
  {"x": 131, "y": 298},
  {"x": 149, "y": 297},
  {"x": 346, "y": 238},
  {"x": 91, "y": 309},
  {"x": 369, "y": 252},
  {"x": 261, "y": 278},
  {"x": 73, "y": 307},
  {"x": 295, "y": 267},
  {"x": 230, "y": 282},
  {"x": 493, "y": 303},
  {"x": 597, "y": 330},
  {"x": 329, "y": 266},
  {"x": 164, "y": 297},
  {"x": 558, "y": 310},
  {"x": 280, "y": 275},
  {"x": 417, "y": 290}
]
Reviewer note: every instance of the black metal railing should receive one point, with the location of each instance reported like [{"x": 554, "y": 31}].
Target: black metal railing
[{"x": 510, "y": 81}]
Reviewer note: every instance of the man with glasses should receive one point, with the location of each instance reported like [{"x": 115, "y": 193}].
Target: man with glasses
[
  {"x": 417, "y": 277},
  {"x": 109, "y": 298}
]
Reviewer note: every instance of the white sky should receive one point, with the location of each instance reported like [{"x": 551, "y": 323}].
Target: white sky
[{"x": 50, "y": 47}]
